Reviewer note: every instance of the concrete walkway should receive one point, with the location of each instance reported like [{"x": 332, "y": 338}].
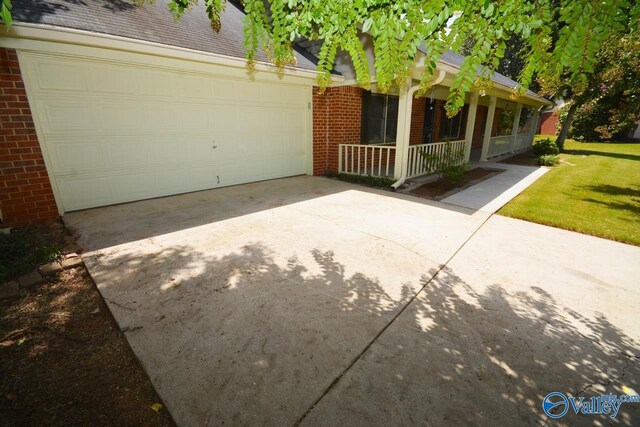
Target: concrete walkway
[
  {"x": 308, "y": 300},
  {"x": 492, "y": 194}
]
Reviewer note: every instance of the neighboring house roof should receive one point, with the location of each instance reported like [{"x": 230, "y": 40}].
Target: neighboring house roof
[{"x": 151, "y": 22}]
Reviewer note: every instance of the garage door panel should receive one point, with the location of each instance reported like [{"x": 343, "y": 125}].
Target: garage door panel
[
  {"x": 127, "y": 153},
  {"x": 78, "y": 157},
  {"x": 159, "y": 117},
  {"x": 134, "y": 186},
  {"x": 112, "y": 79},
  {"x": 295, "y": 120},
  {"x": 293, "y": 94},
  {"x": 57, "y": 116},
  {"x": 156, "y": 83},
  {"x": 118, "y": 132},
  {"x": 55, "y": 74},
  {"x": 85, "y": 192},
  {"x": 196, "y": 87},
  {"x": 272, "y": 94},
  {"x": 273, "y": 119},
  {"x": 194, "y": 118},
  {"x": 223, "y": 90},
  {"x": 122, "y": 116},
  {"x": 168, "y": 152}
]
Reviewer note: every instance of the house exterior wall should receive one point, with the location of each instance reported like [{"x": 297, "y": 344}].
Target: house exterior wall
[
  {"x": 478, "y": 134},
  {"x": 336, "y": 120},
  {"x": 496, "y": 120},
  {"x": 548, "y": 123},
  {"x": 26, "y": 195},
  {"x": 418, "y": 110}
]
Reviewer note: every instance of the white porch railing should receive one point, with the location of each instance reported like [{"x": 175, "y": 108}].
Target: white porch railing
[
  {"x": 424, "y": 158},
  {"x": 524, "y": 140},
  {"x": 500, "y": 145},
  {"x": 373, "y": 160}
]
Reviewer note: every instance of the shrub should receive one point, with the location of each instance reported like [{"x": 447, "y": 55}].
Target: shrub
[
  {"x": 453, "y": 174},
  {"x": 22, "y": 252},
  {"x": 448, "y": 163},
  {"x": 545, "y": 147},
  {"x": 548, "y": 160}
]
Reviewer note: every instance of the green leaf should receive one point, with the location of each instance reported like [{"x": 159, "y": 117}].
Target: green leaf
[{"x": 367, "y": 25}]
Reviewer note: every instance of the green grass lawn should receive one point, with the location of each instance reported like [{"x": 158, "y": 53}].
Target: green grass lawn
[{"x": 595, "y": 190}]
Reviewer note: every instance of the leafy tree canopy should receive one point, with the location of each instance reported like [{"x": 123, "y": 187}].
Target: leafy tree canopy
[
  {"x": 609, "y": 108},
  {"x": 561, "y": 38}
]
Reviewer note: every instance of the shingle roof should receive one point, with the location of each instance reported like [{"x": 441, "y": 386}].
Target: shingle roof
[
  {"x": 455, "y": 60},
  {"x": 152, "y": 22}
]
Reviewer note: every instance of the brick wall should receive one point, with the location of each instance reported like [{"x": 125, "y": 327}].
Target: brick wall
[
  {"x": 548, "y": 124},
  {"x": 495, "y": 127},
  {"x": 337, "y": 119},
  {"x": 417, "y": 120},
  {"x": 481, "y": 118},
  {"x": 25, "y": 191}
]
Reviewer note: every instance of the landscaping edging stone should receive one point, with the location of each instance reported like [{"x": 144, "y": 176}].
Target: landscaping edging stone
[{"x": 38, "y": 276}]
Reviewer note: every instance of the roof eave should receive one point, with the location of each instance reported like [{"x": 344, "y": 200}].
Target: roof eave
[{"x": 23, "y": 30}]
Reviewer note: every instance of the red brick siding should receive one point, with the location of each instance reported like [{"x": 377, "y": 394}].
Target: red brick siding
[
  {"x": 336, "y": 120},
  {"x": 496, "y": 120},
  {"x": 437, "y": 120},
  {"x": 481, "y": 118},
  {"x": 25, "y": 191},
  {"x": 549, "y": 123},
  {"x": 417, "y": 120}
]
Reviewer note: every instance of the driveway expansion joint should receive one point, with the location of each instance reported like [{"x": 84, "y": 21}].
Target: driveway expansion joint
[{"x": 393, "y": 319}]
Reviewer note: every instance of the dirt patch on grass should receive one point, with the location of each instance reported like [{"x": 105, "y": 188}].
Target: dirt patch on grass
[
  {"x": 65, "y": 361},
  {"x": 441, "y": 188}
]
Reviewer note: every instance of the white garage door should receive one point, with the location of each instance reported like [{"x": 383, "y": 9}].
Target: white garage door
[{"x": 120, "y": 132}]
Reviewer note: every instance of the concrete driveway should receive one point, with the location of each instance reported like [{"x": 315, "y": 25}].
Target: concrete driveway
[{"x": 312, "y": 301}]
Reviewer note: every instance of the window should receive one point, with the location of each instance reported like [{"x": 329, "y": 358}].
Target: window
[
  {"x": 379, "y": 118},
  {"x": 526, "y": 120},
  {"x": 450, "y": 128},
  {"x": 505, "y": 121}
]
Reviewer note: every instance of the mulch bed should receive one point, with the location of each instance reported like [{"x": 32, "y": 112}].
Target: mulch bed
[
  {"x": 66, "y": 362},
  {"x": 441, "y": 188},
  {"x": 523, "y": 159}
]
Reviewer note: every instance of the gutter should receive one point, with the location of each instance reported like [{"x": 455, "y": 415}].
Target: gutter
[
  {"x": 72, "y": 36},
  {"x": 500, "y": 86},
  {"x": 407, "y": 124}
]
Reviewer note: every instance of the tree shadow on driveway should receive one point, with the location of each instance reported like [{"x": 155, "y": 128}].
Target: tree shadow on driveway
[{"x": 245, "y": 338}]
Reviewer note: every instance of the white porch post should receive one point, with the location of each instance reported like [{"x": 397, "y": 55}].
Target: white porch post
[
  {"x": 516, "y": 124},
  {"x": 471, "y": 121},
  {"x": 488, "y": 128},
  {"x": 516, "y": 119},
  {"x": 405, "y": 104}
]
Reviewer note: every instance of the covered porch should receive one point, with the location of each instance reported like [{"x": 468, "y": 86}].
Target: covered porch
[
  {"x": 488, "y": 128},
  {"x": 402, "y": 136}
]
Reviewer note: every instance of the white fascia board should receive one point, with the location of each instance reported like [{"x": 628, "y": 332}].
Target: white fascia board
[
  {"x": 26, "y": 31},
  {"x": 500, "y": 90}
]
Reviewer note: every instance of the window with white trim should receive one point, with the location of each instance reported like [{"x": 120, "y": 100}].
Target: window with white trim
[{"x": 379, "y": 118}]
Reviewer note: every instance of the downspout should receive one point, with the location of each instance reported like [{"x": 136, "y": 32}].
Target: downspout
[{"x": 407, "y": 123}]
